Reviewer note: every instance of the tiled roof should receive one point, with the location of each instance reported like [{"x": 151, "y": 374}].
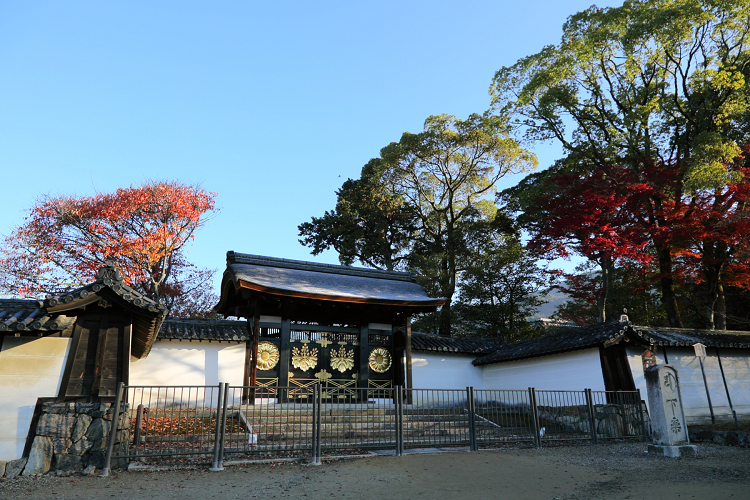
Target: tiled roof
[
  {"x": 686, "y": 337},
  {"x": 30, "y": 315},
  {"x": 563, "y": 341},
  {"x": 440, "y": 343},
  {"x": 50, "y": 314},
  {"x": 325, "y": 281},
  {"x": 203, "y": 329},
  {"x": 611, "y": 332},
  {"x": 108, "y": 277}
]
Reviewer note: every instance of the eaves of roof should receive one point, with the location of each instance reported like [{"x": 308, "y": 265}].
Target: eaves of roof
[
  {"x": 30, "y": 315},
  {"x": 325, "y": 282},
  {"x": 203, "y": 329},
  {"x": 685, "y": 337},
  {"x": 439, "y": 343},
  {"x": 558, "y": 342},
  {"x": 605, "y": 334}
]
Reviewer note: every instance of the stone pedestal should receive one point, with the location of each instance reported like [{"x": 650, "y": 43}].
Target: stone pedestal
[
  {"x": 685, "y": 451},
  {"x": 668, "y": 429}
]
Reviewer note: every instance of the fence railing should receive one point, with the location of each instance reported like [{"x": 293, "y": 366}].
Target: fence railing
[{"x": 233, "y": 421}]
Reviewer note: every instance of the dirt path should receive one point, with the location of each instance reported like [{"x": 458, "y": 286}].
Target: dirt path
[{"x": 615, "y": 471}]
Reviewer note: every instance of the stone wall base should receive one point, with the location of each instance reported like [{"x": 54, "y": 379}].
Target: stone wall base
[
  {"x": 683, "y": 451},
  {"x": 69, "y": 437}
]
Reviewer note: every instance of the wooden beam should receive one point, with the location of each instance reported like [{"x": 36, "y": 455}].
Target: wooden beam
[
  {"x": 254, "y": 362},
  {"x": 408, "y": 353},
  {"x": 364, "y": 353},
  {"x": 284, "y": 357}
]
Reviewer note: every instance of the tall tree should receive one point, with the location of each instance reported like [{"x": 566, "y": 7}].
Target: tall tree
[
  {"x": 651, "y": 83},
  {"x": 630, "y": 289},
  {"x": 587, "y": 213},
  {"x": 369, "y": 224},
  {"x": 446, "y": 177},
  {"x": 143, "y": 229},
  {"x": 499, "y": 290}
]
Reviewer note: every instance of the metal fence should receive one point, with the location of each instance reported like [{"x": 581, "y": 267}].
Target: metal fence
[{"x": 180, "y": 423}]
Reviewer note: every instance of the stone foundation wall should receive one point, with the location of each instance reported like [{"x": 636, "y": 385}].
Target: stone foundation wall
[{"x": 69, "y": 437}]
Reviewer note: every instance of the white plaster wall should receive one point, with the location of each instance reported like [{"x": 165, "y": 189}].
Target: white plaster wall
[
  {"x": 736, "y": 363},
  {"x": 30, "y": 368},
  {"x": 431, "y": 370},
  {"x": 184, "y": 363},
  {"x": 569, "y": 371}
]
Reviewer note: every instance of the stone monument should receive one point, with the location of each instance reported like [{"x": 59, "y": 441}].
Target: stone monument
[{"x": 668, "y": 430}]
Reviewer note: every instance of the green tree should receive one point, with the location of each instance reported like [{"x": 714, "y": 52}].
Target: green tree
[
  {"x": 630, "y": 290},
  {"x": 445, "y": 177},
  {"x": 658, "y": 82},
  {"x": 501, "y": 288},
  {"x": 370, "y": 224}
]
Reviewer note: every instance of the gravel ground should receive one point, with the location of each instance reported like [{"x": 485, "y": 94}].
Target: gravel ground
[{"x": 611, "y": 471}]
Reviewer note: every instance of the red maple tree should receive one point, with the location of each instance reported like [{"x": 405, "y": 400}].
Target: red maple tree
[
  {"x": 645, "y": 220},
  {"x": 65, "y": 240}
]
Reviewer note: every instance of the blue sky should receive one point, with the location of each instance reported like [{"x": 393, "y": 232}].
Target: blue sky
[{"x": 272, "y": 105}]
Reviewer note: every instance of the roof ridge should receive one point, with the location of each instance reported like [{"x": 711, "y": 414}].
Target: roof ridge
[{"x": 261, "y": 260}]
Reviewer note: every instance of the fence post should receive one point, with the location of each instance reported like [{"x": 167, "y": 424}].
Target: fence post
[
  {"x": 592, "y": 416},
  {"x": 472, "y": 422},
  {"x": 535, "y": 417},
  {"x": 399, "y": 399},
  {"x": 217, "y": 434},
  {"x": 113, "y": 430},
  {"x": 317, "y": 400},
  {"x": 644, "y": 428},
  {"x": 138, "y": 424},
  {"x": 223, "y": 424},
  {"x": 623, "y": 419}
]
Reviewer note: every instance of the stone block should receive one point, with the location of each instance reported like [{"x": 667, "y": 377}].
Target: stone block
[
  {"x": 704, "y": 436},
  {"x": 58, "y": 408},
  {"x": 742, "y": 438},
  {"x": 60, "y": 446},
  {"x": 683, "y": 451},
  {"x": 2, "y": 468},
  {"x": 87, "y": 408},
  {"x": 81, "y": 427},
  {"x": 80, "y": 447},
  {"x": 40, "y": 457},
  {"x": 98, "y": 429},
  {"x": 89, "y": 470},
  {"x": 732, "y": 438},
  {"x": 14, "y": 468},
  {"x": 98, "y": 445},
  {"x": 97, "y": 459},
  {"x": 67, "y": 462},
  {"x": 55, "y": 425}
]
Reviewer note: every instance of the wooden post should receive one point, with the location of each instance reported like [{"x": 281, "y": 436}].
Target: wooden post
[
  {"x": 284, "y": 358},
  {"x": 363, "y": 368},
  {"x": 407, "y": 351},
  {"x": 254, "y": 363}
]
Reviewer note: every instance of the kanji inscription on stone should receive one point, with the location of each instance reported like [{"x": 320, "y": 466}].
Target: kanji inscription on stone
[{"x": 665, "y": 406}]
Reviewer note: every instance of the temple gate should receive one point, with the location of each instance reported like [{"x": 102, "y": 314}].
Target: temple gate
[{"x": 340, "y": 326}]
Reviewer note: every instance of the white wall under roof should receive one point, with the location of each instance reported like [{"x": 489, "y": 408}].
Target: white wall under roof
[
  {"x": 30, "y": 368},
  {"x": 436, "y": 370},
  {"x": 736, "y": 363},
  {"x": 180, "y": 362},
  {"x": 569, "y": 371}
]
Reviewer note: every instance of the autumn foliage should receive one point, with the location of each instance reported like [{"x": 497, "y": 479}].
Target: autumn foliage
[
  {"x": 64, "y": 240},
  {"x": 645, "y": 221}
]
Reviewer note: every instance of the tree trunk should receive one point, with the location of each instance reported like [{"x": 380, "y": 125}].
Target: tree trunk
[
  {"x": 668, "y": 296},
  {"x": 721, "y": 309},
  {"x": 444, "y": 327},
  {"x": 604, "y": 293},
  {"x": 714, "y": 258}
]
